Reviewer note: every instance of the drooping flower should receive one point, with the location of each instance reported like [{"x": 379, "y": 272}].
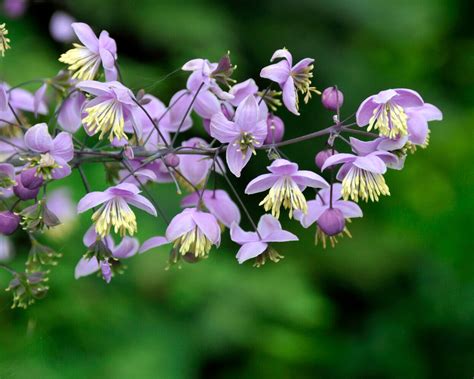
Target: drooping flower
[
  {"x": 53, "y": 155},
  {"x": 84, "y": 60},
  {"x": 418, "y": 118},
  {"x": 9, "y": 222},
  {"x": 194, "y": 232},
  {"x": 69, "y": 113},
  {"x": 109, "y": 111},
  {"x": 246, "y": 133},
  {"x": 286, "y": 184},
  {"x": 256, "y": 244},
  {"x": 292, "y": 79},
  {"x": 332, "y": 98},
  {"x": 60, "y": 27},
  {"x": 4, "y": 40},
  {"x": 386, "y": 111},
  {"x": 362, "y": 175},
  {"x": 115, "y": 211},
  {"x": 218, "y": 203},
  {"x": 330, "y": 217}
]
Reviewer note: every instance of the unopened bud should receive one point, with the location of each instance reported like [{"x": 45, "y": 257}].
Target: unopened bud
[
  {"x": 275, "y": 129},
  {"x": 172, "y": 160},
  {"x": 22, "y": 192},
  {"x": 322, "y": 156},
  {"x": 332, "y": 221},
  {"x": 30, "y": 179},
  {"x": 332, "y": 98},
  {"x": 9, "y": 222},
  {"x": 128, "y": 152}
]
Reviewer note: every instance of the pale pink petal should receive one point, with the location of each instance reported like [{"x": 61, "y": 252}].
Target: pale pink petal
[
  {"x": 366, "y": 111},
  {"x": 306, "y": 178},
  {"x": 152, "y": 242},
  {"x": 289, "y": 96},
  {"x": 142, "y": 203},
  {"x": 91, "y": 200},
  {"x": 222, "y": 129},
  {"x": 338, "y": 159},
  {"x": 261, "y": 183},
  {"x": 250, "y": 250},
  {"x": 236, "y": 161},
  {"x": 86, "y": 267},
  {"x": 238, "y": 235},
  {"x": 278, "y": 72},
  {"x": 38, "y": 139},
  {"x": 86, "y": 36}
]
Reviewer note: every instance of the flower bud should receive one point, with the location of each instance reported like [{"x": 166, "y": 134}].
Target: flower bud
[
  {"x": 22, "y": 192},
  {"x": 332, "y": 98},
  {"x": 332, "y": 221},
  {"x": 30, "y": 179},
  {"x": 275, "y": 129},
  {"x": 172, "y": 160},
  {"x": 9, "y": 222},
  {"x": 321, "y": 157}
]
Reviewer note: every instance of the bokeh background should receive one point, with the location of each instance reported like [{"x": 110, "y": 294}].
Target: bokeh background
[{"x": 395, "y": 301}]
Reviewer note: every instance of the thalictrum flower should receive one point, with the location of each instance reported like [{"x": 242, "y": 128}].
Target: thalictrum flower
[
  {"x": 115, "y": 211},
  {"x": 84, "y": 60},
  {"x": 362, "y": 175},
  {"x": 4, "y": 40},
  {"x": 292, "y": 79},
  {"x": 386, "y": 111},
  {"x": 218, "y": 203},
  {"x": 60, "y": 27},
  {"x": 418, "y": 118},
  {"x": 256, "y": 244},
  {"x": 109, "y": 111},
  {"x": 286, "y": 184},
  {"x": 194, "y": 232},
  {"x": 244, "y": 134},
  {"x": 69, "y": 113},
  {"x": 53, "y": 154},
  {"x": 318, "y": 211}
]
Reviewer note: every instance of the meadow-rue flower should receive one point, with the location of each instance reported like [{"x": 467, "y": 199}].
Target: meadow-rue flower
[
  {"x": 69, "y": 113},
  {"x": 4, "y": 40},
  {"x": 22, "y": 192},
  {"x": 9, "y": 222},
  {"x": 60, "y": 27},
  {"x": 286, "y": 184},
  {"x": 275, "y": 129},
  {"x": 243, "y": 135},
  {"x": 115, "y": 211},
  {"x": 418, "y": 118},
  {"x": 193, "y": 231},
  {"x": 386, "y": 111},
  {"x": 84, "y": 60},
  {"x": 321, "y": 157},
  {"x": 362, "y": 175},
  {"x": 218, "y": 203},
  {"x": 291, "y": 78},
  {"x": 329, "y": 217},
  {"x": 53, "y": 155},
  {"x": 256, "y": 244},
  {"x": 108, "y": 112}
]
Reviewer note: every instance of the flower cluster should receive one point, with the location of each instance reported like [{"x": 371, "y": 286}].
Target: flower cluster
[{"x": 144, "y": 142}]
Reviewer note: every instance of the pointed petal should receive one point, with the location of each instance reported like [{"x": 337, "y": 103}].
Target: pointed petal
[
  {"x": 284, "y": 54},
  {"x": 371, "y": 163},
  {"x": 86, "y": 267},
  {"x": 238, "y": 235},
  {"x": 222, "y": 129},
  {"x": 280, "y": 236},
  {"x": 208, "y": 225},
  {"x": 267, "y": 224},
  {"x": 235, "y": 160},
  {"x": 278, "y": 72},
  {"x": 289, "y": 96},
  {"x": 309, "y": 179},
  {"x": 366, "y": 111},
  {"x": 338, "y": 159},
  {"x": 91, "y": 200},
  {"x": 152, "y": 242},
  {"x": 261, "y": 183},
  {"x": 180, "y": 224},
  {"x": 246, "y": 115},
  {"x": 348, "y": 208},
  {"x": 127, "y": 248},
  {"x": 86, "y": 36},
  {"x": 142, "y": 203},
  {"x": 250, "y": 250}
]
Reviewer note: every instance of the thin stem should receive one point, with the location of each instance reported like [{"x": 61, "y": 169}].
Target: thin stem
[
  {"x": 6, "y": 268},
  {"x": 152, "y": 121}
]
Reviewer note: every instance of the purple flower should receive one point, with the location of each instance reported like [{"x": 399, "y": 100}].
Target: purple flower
[
  {"x": 7, "y": 177},
  {"x": 53, "y": 154},
  {"x": 386, "y": 111},
  {"x": 39, "y": 98},
  {"x": 332, "y": 98},
  {"x": 330, "y": 219},
  {"x": 218, "y": 203},
  {"x": 243, "y": 135},
  {"x": 240, "y": 91},
  {"x": 127, "y": 248},
  {"x": 9, "y": 222},
  {"x": 109, "y": 111},
  {"x": 255, "y": 244},
  {"x": 84, "y": 60},
  {"x": 321, "y": 157},
  {"x": 362, "y": 175},
  {"x": 194, "y": 232},
  {"x": 286, "y": 184},
  {"x": 60, "y": 27},
  {"x": 115, "y": 211},
  {"x": 275, "y": 129},
  {"x": 14, "y": 8},
  {"x": 291, "y": 78},
  {"x": 176, "y": 112},
  {"x": 69, "y": 113},
  {"x": 418, "y": 117}
]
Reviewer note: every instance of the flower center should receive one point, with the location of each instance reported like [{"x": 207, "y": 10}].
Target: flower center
[
  {"x": 270, "y": 254},
  {"x": 390, "y": 119},
  {"x": 364, "y": 184},
  {"x": 83, "y": 62},
  {"x": 105, "y": 117},
  {"x": 194, "y": 242},
  {"x": 287, "y": 193},
  {"x": 246, "y": 142},
  {"x": 116, "y": 213},
  {"x": 302, "y": 79},
  {"x": 323, "y": 237},
  {"x": 44, "y": 164}
]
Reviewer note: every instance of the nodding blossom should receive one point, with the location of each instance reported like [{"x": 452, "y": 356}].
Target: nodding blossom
[
  {"x": 194, "y": 232},
  {"x": 115, "y": 211},
  {"x": 109, "y": 111},
  {"x": 85, "y": 60},
  {"x": 387, "y": 111},
  {"x": 362, "y": 174},
  {"x": 51, "y": 155},
  {"x": 246, "y": 133},
  {"x": 330, "y": 214},
  {"x": 291, "y": 78},
  {"x": 286, "y": 184},
  {"x": 256, "y": 244}
]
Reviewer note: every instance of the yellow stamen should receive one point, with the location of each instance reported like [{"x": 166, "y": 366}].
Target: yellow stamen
[
  {"x": 117, "y": 214},
  {"x": 194, "y": 242},
  {"x": 287, "y": 193},
  {"x": 105, "y": 117},
  {"x": 302, "y": 80},
  {"x": 364, "y": 184},
  {"x": 4, "y": 41},
  {"x": 82, "y": 62},
  {"x": 390, "y": 119},
  {"x": 323, "y": 237}
]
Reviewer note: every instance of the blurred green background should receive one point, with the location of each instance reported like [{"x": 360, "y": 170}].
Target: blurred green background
[{"x": 395, "y": 301}]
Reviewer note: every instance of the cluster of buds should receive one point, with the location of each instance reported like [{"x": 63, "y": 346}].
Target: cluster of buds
[{"x": 144, "y": 142}]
